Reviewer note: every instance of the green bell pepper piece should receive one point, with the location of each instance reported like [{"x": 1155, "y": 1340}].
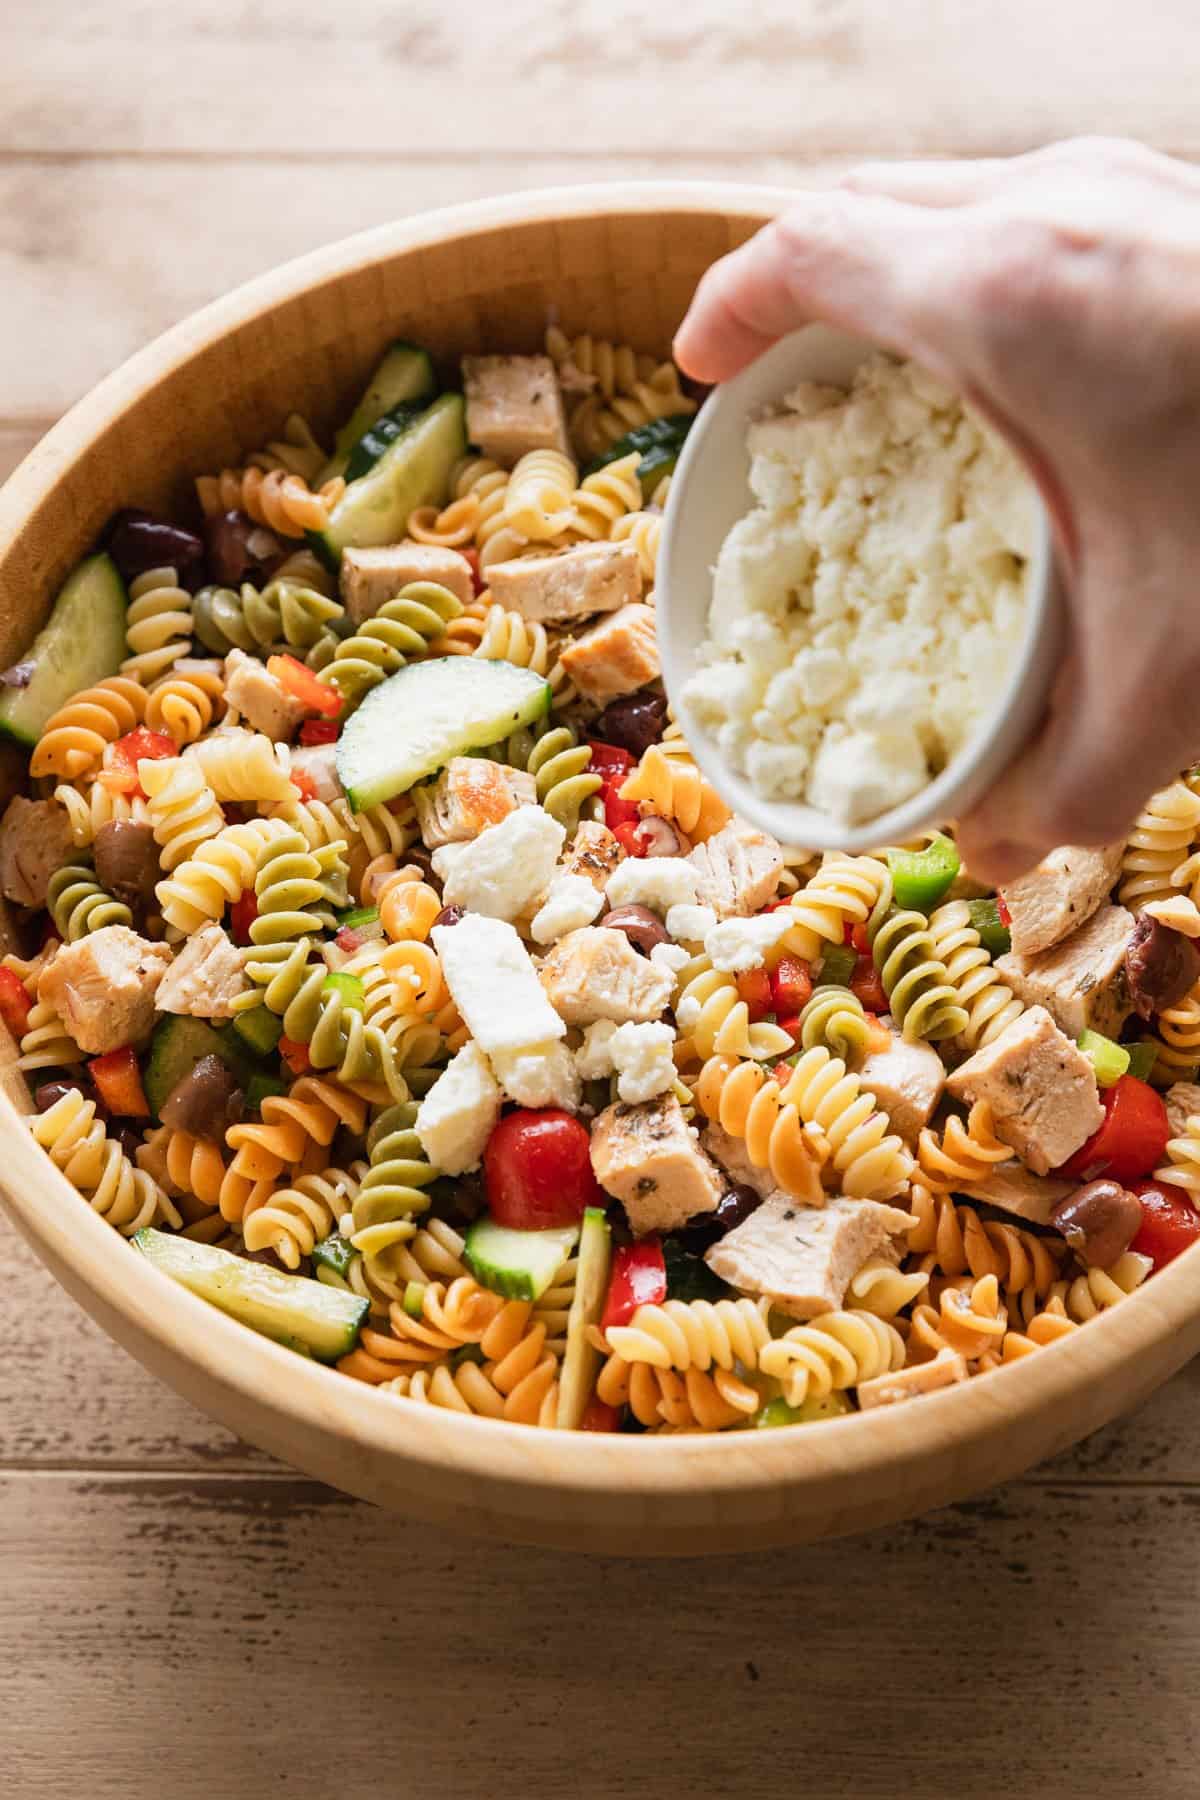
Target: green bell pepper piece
[
  {"x": 1109, "y": 1060},
  {"x": 921, "y": 877},
  {"x": 837, "y": 966},
  {"x": 994, "y": 934},
  {"x": 1142, "y": 1057},
  {"x": 778, "y": 1412}
]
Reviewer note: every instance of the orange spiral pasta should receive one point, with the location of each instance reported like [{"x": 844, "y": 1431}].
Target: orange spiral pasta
[
  {"x": 448, "y": 1317},
  {"x": 75, "y": 737},
  {"x": 691, "y": 1400},
  {"x": 292, "y": 1127},
  {"x": 407, "y": 905},
  {"x": 184, "y": 1164},
  {"x": 674, "y": 788},
  {"x": 955, "y": 1240},
  {"x": 186, "y": 702},
  {"x": 970, "y": 1319},
  {"x": 276, "y": 498},
  {"x": 965, "y": 1153}
]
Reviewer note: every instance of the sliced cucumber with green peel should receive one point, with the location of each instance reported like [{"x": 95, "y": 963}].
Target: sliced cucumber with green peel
[
  {"x": 413, "y": 471},
  {"x": 258, "y": 1029},
  {"x": 306, "y": 1315},
  {"x": 581, "y": 1361},
  {"x": 414, "y": 722},
  {"x": 518, "y": 1264},
  {"x": 379, "y": 438},
  {"x": 334, "y": 1254},
  {"x": 178, "y": 1043},
  {"x": 82, "y": 642},
  {"x": 404, "y": 377},
  {"x": 658, "y": 444}
]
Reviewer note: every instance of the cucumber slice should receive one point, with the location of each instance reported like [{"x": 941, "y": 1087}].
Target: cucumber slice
[
  {"x": 82, "y": 642},
  {"x": 380, "y": 437},
  {"x": 414, "y": 471},
  {"x": 259, "y": 1030},
  {"x": 335, "y": 1254},
  {"x": 581, "y": 1361},
  {"x": 307, "y": 1315},
  {"x": 518, "y": 1264},
  {"x": 414, "y": 722},
  {"x": 405, "y": 375},
  {"x": 658, "y": 444},
  {"x": 178, "y": 1043}
]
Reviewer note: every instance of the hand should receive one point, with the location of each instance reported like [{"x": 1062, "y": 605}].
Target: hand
[{"x": 1060, "y": 294}]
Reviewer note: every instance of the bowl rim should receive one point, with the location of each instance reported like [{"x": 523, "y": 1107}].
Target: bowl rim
[{"x": 496, "y": 1455}]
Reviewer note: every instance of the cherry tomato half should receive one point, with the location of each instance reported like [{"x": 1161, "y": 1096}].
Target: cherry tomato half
[
  {"x": 1169, "y": 1222},
  {"x": 538, "y": 1172}
]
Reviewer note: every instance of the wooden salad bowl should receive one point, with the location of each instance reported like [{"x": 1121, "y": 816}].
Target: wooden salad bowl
[{"x": 621, "y": 261}]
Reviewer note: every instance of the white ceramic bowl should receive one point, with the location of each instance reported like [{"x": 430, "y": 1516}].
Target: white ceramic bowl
[{"x": 710, "y": 493}]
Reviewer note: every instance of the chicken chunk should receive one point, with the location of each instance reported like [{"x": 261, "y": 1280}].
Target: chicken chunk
[
  {"x": 616, "y": 656},
  {"x": 1040, "y": 1088},
  {"x": 729, "y": 1153},
  {"x": 1060, "y": 895},
  {"x": 35, "y": 839},
  {"x": 907, "y": 1080},
  {"x": 802, "y": 1257},
  {"x": 206, "y": 977},
  {"x": 103, "y": 987},
  {"x": 370, "y": 578},
  {"x": 593, "y": 853},
  {"x": 1012, "y": 1188},
  {"x": 597, "y": 974},
  {"x": 946, "y": 1368},
  {"x": 1081, "y": 980},
  {"x": 261, "y": 698},
  {"x": 513, "y": 405},
  {"x": 1183, "y": 1103},
  {"x": 592, "y": 578},
  {"x": 318, "y": 762},
  {"x": 738, "y": 869},
  {"x": 470, "y": 794},
  {"x": 650, "y": 1160}
]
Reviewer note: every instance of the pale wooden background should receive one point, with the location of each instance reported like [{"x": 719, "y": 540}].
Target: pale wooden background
[{"x": 180, "y": 1615}]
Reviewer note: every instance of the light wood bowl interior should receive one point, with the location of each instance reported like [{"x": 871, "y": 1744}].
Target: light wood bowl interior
[{"x": 621, "y": 261}]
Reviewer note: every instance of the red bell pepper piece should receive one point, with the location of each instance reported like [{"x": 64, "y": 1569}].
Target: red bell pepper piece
[
  {"x": 294, "y": 1055},
  {"x": 118, "y": 1082},
  {"x": 618, "y": 812},
  {"x": 626, "y": 835},
  {"x": 1002, "y": 909},
  {"x": 1169, "y": 1222},
  {"x": 609, "y": 761},
  {"x": 754, "y": 987},
  {"x": 599, "y": 1416},
  {"x": 303, "y": 685},
  {"x": 242, "y": 915},
  {"x": 1132, "y": 1140},
  {"x": 866, "y": 983},
  {"x": 141, "y": 746},
  {"x": 319, "y": 731},
  {"x": 303, "y": 783},
  {"x": 791, "y": 986},
  {"x": 350, "y": 940},
  {"x": 782, "y": 1073},
  {"x": 639, "y": 1278},
  {"x": 15, "y": 1004},
  {"x": 790, "y": 1022}
]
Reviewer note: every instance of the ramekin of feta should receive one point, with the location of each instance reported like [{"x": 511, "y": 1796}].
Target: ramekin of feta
[{"x": 858, "y": 609}]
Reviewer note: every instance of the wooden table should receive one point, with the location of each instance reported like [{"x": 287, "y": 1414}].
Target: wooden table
[{"x": 181, "y": 1615}]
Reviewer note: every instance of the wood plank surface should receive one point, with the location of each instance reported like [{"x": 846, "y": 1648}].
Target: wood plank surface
[{"x": 167, "y": 1589}]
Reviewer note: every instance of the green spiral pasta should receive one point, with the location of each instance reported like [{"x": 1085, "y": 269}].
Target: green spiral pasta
[
  {"x": 340, "y": 1038},
  {"x": 922, "y": 997},
  {"x": 283, "y": 612},
  {"x": 391, "y": 1193},
  {"x": 402, "y": 627},
  {"x": 558, "y": 763},
  {"x": 295, "y": 887},
  {"x": 78, "y": 904},
  {"x": 834, "y": 1017}
]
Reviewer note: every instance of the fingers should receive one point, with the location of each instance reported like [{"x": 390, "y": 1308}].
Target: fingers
[
  {"x": 864, "y": 262},
  {"x": 929, "y": 183}
]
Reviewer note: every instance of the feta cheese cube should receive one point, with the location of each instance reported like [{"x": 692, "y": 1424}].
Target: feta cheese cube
[
  {"x": 659, "y": 882},
  {"x": 458, "y": 1114},
  {"x": 502, "y": 871},
  {"x": 494, "y": 985},
  {"x": 642, "y": 1057},
  {"x": 690, "y": 924},
  {"x": 539, "y": 1075},
  {"x": 572, "y": 901},
  {"x": 735, "y": 945}
]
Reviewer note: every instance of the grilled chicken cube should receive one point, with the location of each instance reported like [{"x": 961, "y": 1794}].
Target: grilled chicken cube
[
  {"x": 591, "y": 578},
  {"x": 738, "y": 869},
  {"x": 261, "y": 698},
  {"x": 1012, "y": 1188},
  {"x": 616, "y": 656},
  {"x": 205, "y": 978},
  {"x": 1040, "y": 1087},
  {"x": 103, "y": 988},
  {"x": 1060, "y": 895},
  {"x": 513, "y": 405},
  {"x": 594, "y": 853},
  {"x": 802, "y": 1257},
  {"x": 907, "y": 1080},
  {"x": 649, "y": 1158},
  {"x": 370, "y": 578},
  {"x": 470, "y": 794},
  {"x": 597, "y": 974},
  {"x": 1080, "y": 981},
  {"x": 944, "y": 1370}
]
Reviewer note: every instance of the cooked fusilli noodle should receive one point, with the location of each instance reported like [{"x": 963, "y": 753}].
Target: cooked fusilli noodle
[
  {"x": 95, "y": 1164},
  {"x": 673, "y": 787},
  {"x": 187, "y": 701},
  {"x": 78, "y": 904},
  {"x": 158, "y": 625},
  {"x": 183, "y": 807},
  {"x": 73, "y": 739},
  {"x": 539, "y": 499},
  {"x": 990, "y": 1004},
  {"x": 1158, "y": 846},
  {"x": 276, "y": 498},
  {"x": 836, "y": 1350}
]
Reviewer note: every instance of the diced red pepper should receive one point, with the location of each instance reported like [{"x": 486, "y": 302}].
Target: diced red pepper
[
  {"x": 118, "y": 1082},
  {"x": 1132, "y": 1140},
  {"x": 754, "y": 987},
  {"x": 1002, "y": 909},
  {"x": 141, "y": 746},
  {"x": 294, "y": 1055},
  {"x": 303, "y": 685},
  {"x": 859, "y": 939},
  {"x": 790, "y": 1022},
  {"x": 618, "y": 812},
  {"x": 627, "y": 836},
  {"x": 791, "y": 986},
  {"x": 470, "y": 555},
  {"x": 782, "y": 1073},
  {"x": 15, "y": 1004},
  {"x": 242, "y": 915},
  {"x": 1169, "y": 1222},
  {"x": 318, "y": 731},
  {"x": 867, "y": 984},
  {"x": 774, "y": 905},
  {"x": 639, "y": 1278},
  {"x": 303, "y": 783},
  {"x": 609, "y": 761},
  {"x": 599, "y": 1416}
]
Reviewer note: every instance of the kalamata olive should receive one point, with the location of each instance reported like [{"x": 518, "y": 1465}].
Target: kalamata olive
[
  {"x": 139, "y": 540},
  {"x": 734, "y": 1206},
  {"x": 206, "y": 1101},
  {"x": 126, "y": 858},
  {"x": 1099, "y": 1221},
  {"x": 659, "y": 837},
  {"x": 50, "y": 1092},
  {"x": 129, "y": 1138},
  {"x": 1160, "y": 965},
  {"x": 640, "y": 925},
  {"x": 633, "y": 723},
  {"x": 239, "y": 550},
  {"x": 449, "y": 915}
]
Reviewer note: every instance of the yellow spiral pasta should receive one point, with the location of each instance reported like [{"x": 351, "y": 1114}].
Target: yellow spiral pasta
[
  {"x": 643, "y": 530},
  {"x": 538, "y": 502},
  {"x": 956, "y": 1241},
  {"x": 696, "y": 1334},
  {"x": 971, "y": 1320},
  {"x": 158, "y": 625},
  {"x": 46, "y": 1042},
  {"x": 830, "y": 1353},
  {"x": 596, "y": 421},
  {"x": 89, "y": 809},
  {"x": 507, "y": 637},
  {"x": 604, "y": 497},
  {"x": 432, "y": 1253},
  {"x": 610, "y": 368},
  {"x": 183, "y": 807},
  {"x": 402, "y": 628},
  {"x": 184, "y": 1164},
  {"x": 1096, "y": 1290},
  {"x": 474, "y": 516},
  {"x": 1158, "y": 846},
  {"x": 186, "y": 702},
  {"x": 243, "y": 766},
  {"x": 881, "y": 1288},
  {"x": 922, "y": 998},
  {"x": 694, "y": 1400},
  {"x": 293, "y": 1218},
  {"x": 97, "y": 1167},
  {"x": 964, "y": 1153},
  {"x": 1178, "y": 1040},
  {"x": 714, "y": 1020},
  {"x": 219, "y": 872},
  {"x": 1182, "y": 1167},
  {"x": 276, "y": 498},
  {"x": 75, "y": 737},
  {"x": 297, "y": 450},
  {"x": 673, "y": 787},
  {"x": 78, "y": 904},
  {"x": 846, "y": 890},
  {"x": 990, "y": 1004}
]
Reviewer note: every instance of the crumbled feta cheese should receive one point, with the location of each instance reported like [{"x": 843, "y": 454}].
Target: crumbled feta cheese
[
  {"x": 642, "y": 1058},
  {"x": 457, "y": 1115},
  {"x": 494, "y": 985},
  {"x": 670, "y": 958},
  {"x": 572, "y": 901},
  {"x": 659, "y": 882},
  {"x": 690, "y": 924},
  {"x": 866, "y": 614},
  {"x": 735, "y": 945},
  {"x": 593, "y": 1058},
  {"x": 539, "y": 1075},
  {"x": 502, "y": 871}
]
